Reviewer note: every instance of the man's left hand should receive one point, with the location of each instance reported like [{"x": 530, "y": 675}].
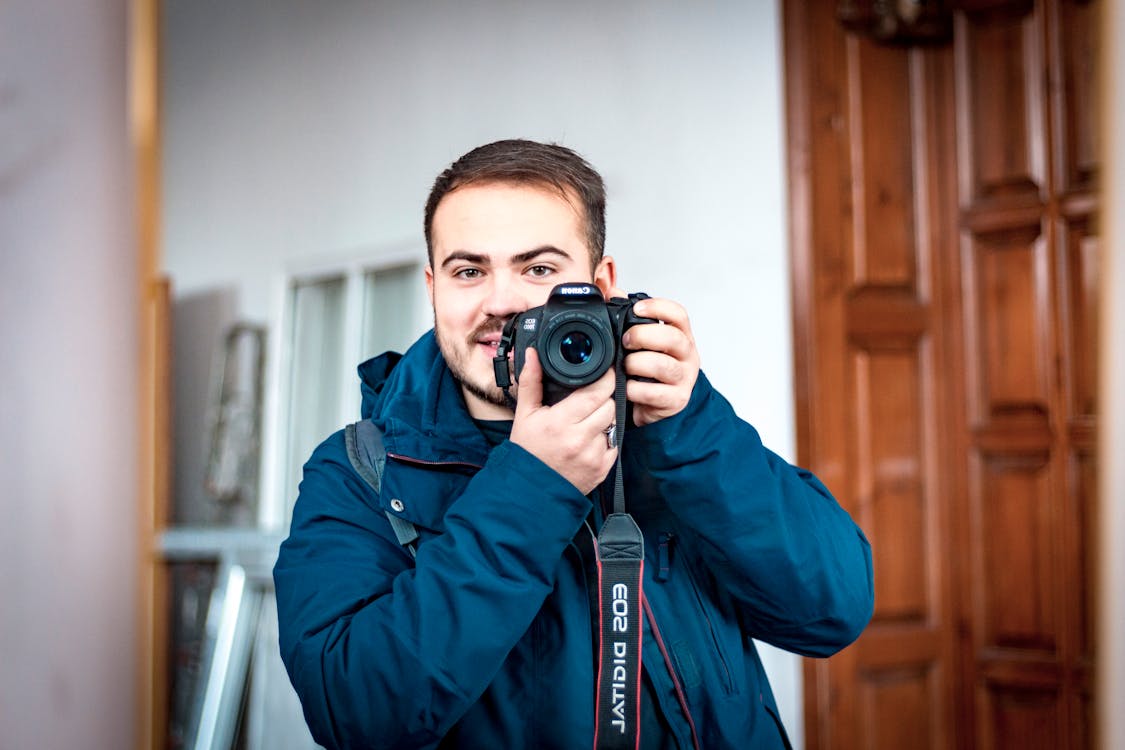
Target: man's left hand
[{"x": 664, "y": 353}]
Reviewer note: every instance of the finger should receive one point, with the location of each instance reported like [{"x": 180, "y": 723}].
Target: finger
[
  {"x": 656, "y": 338},
  {"x": 529, "y": 395},
  {"x": 655, "y": 365},
  {"x": 672, "y": 313},
  {"x": 597, "y": 429},
  {"x": 603, "y": 388},
  {"x": 661, "y": 397},
  {"x": 599, "y": 419},
  {"x": 582, "y": 401}
]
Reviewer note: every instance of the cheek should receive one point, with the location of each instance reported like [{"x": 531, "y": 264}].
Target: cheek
[{"x": 452, "y": 310}]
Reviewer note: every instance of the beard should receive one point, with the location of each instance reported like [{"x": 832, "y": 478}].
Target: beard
[{"x": 459, "y": 358}]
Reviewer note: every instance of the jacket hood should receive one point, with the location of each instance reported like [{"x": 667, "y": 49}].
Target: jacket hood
[
  {"x": 418, "y": 404},
  {"x": 373, "y": 376}
]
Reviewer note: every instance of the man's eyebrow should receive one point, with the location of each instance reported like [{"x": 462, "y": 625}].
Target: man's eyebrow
[
  {"x": 481, "y": 259},
  {"x": 478, "y": 259},
  {"x": 531, "y": 255}
]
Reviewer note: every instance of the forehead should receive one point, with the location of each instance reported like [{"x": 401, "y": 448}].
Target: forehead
[{"x": 498, "y": 217}]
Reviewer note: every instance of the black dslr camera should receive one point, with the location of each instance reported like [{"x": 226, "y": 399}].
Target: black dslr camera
[{"x": 577, "y": 334}]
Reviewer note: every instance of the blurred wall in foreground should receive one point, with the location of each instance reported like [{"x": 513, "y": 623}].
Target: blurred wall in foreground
[
  {"x": 1111, "y": 456},
  {"x": 68, "y": 352}
]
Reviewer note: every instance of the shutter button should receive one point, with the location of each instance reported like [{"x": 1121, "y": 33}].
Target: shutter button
[{"x": 397, "y": 505}]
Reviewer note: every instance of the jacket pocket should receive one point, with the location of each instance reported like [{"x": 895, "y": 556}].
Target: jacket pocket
[
  {"x": 711, "y": 623},
  {"x": 780, "y": 727}
]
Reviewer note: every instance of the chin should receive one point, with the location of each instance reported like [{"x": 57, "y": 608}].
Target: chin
[{"x": 490, "y": 394}]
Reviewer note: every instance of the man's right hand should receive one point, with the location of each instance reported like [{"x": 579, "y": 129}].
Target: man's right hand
[{"x": 570, "y": 435}]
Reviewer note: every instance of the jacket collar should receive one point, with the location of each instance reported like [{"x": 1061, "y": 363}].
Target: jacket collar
[{"x": 419, "y": 406}]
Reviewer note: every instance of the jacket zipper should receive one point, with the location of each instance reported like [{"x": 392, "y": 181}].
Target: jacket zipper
[{"x": 423, "y": 462}]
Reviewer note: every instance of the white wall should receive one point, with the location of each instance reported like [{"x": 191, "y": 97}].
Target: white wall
[
  {"x": 297, "y": 130},
  {"x": 68, "y": 355}
]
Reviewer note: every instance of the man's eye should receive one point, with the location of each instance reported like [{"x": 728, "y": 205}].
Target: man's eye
[
  {"x": 468, "y": 273},
  {"x": 540, "y": 271}
]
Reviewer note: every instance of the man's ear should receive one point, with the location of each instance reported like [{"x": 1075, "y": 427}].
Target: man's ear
[
  {"x": 605, "y": 276},
  {"x": 430, "y": 283}
]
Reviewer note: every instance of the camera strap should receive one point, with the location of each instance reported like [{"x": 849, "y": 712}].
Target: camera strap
[
  {"x": 620, "y": 552},
  {"x": 500, "y": 362}
]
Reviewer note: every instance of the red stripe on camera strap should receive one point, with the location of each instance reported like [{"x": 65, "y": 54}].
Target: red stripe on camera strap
[{"x": 620, "y": 551}]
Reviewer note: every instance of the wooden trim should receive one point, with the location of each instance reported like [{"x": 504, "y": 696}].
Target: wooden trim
[
  {"x": 154, "y": 370},
  {"x": 795, "y": 54},
  {"x": 800, "y": 241}
]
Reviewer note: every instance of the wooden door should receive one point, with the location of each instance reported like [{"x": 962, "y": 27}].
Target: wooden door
[{"x": 943, "y": 200}]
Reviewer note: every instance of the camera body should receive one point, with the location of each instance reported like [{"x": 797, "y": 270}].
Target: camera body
[{"x": 576, "y": 333}]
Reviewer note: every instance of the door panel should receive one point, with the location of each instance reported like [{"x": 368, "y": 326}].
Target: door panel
[
  {"x": 867, "y": 142},
  {"x": 1075, "y": 89},
  {"x": 999, "y": 56}
]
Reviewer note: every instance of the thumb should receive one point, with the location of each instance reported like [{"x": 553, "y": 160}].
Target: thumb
[{"x": 529, "y": 395}]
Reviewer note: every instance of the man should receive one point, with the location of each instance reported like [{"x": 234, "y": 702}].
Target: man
[{"x": 488, "y": 637}]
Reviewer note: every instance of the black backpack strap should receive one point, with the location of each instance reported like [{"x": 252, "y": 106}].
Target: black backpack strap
[{"x": 364, "y": 442}]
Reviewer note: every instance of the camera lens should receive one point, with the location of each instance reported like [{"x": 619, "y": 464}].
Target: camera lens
[{"x": 576, "y": 347}]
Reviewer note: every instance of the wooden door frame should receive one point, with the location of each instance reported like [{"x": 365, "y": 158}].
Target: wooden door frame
[{"x": 153, "y": 362}]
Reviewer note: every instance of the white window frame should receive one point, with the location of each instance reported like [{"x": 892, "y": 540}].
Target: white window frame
[{"x": 275, "y": 497}]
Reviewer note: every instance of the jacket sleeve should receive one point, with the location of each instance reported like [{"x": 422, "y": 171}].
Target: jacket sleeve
[
  {"x": 770, "y": 533},
  {"x": 384, "y": 652}
]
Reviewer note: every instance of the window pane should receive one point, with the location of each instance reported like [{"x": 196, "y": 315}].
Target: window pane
[
  {"x": 317, "y": 347},
  {"x": 391, "y": 318}
]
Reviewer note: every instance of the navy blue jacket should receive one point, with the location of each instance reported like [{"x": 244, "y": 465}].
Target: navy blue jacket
[{"x": 485, "y": 640}]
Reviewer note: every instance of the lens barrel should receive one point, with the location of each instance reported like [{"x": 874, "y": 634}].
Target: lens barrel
[{"x": 577, "y": 348}]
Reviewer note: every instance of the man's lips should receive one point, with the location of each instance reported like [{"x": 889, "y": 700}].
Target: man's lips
[{"x": 489, "y": 338}]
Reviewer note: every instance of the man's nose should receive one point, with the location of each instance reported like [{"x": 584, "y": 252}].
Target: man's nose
[{"x": 505, "y": 298}]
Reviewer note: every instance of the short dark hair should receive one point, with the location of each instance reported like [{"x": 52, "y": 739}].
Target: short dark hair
[{"x": 524, "y": 162}]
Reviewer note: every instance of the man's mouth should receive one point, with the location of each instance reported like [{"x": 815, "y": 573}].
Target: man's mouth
[{"x": 489, "y": 338}]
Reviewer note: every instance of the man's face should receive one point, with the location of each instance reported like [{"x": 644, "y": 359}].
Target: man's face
[{"x": 499, "y": 249}]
